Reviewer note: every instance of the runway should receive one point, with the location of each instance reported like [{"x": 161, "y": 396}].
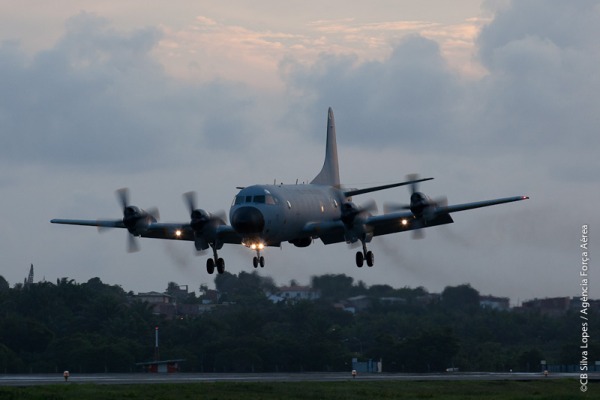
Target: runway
[{"x": 153, "y": 378}]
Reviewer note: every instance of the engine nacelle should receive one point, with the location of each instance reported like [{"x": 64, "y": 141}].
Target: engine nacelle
[
  {"x": 137, "y": 220},
  {"x": 418, "y": 204},
  {"x": 199, "y": 219}
]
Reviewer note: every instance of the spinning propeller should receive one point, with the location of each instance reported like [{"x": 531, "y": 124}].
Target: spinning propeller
[
  {"x": 351, "y": 217},
  {"x": 134, "y": 219},
  {"x": 203, "y": 223},
  {"x": 350, "y": 211},
  {"x": 422, "y": 207}
]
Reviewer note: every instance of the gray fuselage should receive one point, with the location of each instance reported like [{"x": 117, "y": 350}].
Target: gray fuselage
[{"x": 272, "y": 214}]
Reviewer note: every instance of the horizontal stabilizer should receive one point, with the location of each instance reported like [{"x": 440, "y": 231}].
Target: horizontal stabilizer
[{"x": 355, "y": 192}]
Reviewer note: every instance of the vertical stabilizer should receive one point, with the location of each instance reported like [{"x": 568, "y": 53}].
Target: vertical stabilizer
[{"x": 330, "y": 173}]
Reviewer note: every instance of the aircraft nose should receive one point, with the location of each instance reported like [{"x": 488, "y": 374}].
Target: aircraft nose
[{"x": 248, "y": 220}]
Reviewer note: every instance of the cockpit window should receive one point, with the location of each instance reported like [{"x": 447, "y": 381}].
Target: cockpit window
[
  {"x": 259, "y": 199},
  {"x": 239, "y": 200},
  {"x": 272, "y": 200}
]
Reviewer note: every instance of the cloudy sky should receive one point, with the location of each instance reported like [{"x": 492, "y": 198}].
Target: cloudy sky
[{"x": 491, "y": 98}]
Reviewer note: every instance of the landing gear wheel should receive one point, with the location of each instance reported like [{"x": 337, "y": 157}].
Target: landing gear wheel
[
  {"x": 210, "y": 266},
  {"x": 255, "y": 262},
  {"x": 220, "y": 265},
  {"x": 261, "y": 261},
  {"x": 370, "y": 258},
  {"x": 359, "y": 259}
]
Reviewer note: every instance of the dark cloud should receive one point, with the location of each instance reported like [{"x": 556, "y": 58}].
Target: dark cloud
[
  {"x": 565, "y": 24},
  {"x": 99, "y": 99},
  {"x": 407, "y": 99},
  {"x": 540, "y": 92},
  {"x": 542, "y": 87}
]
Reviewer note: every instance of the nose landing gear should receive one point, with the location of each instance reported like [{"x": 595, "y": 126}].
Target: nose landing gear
[{"x": 258, "y": 260}]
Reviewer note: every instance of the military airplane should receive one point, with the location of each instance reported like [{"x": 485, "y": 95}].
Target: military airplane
[{"x": 268, "y": 215}]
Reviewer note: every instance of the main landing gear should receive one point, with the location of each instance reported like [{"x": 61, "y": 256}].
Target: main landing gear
[
  {"x": 362, "y": 256},
  {"x": 217, "y": 262}
]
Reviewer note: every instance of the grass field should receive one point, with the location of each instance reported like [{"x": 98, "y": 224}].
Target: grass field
[{"x": 451, "y": 390}]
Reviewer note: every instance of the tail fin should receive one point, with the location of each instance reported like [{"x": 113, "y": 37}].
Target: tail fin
[{"x": 330, "y": 173}]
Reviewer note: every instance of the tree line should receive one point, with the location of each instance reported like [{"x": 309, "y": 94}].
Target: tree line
[{"x": 94, "y": 327}]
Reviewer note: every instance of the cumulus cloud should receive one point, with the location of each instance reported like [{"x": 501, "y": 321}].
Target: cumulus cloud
[
  {"x": 405, "y": 99},
  {"x": 224, "y": 47},
  {"x": 540, "y": 87},
  {"x": 98, "y": 97}
]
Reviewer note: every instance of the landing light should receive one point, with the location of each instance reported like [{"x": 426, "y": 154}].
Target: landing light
[
  {"x": 404, "y": 222},
  {"x": 178, "y": 233},
  {"x": 256, "y": 246}
]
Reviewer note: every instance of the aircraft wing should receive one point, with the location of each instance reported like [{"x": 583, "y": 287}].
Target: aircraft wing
[
  {"x": 334, "y": 231},
  {"x": 406, "y": 221},
  {"x": 159, "y": 230},
  {"x": 175, "y": 231},
  {"x": 227, "y": 234},
  {"x": 84, "y": 222},
  {"x": 486, "y": 203}
]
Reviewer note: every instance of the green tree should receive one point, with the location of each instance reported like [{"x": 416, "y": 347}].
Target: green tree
[
  {"x": 333, "y": 287},
  {"x": 462, "y": 297},
  {"x": 244, "y": 287},
  {"x": 4, "y": 286},
  {"x": 529, "y": 360},
  {"x": 25, "y": 334}
]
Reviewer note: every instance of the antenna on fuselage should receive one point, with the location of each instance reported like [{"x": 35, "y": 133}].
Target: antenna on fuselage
[{"x": 330, "y": 173}]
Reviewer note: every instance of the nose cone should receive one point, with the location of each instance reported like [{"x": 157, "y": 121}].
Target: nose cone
[{"x": 247, "y": 220}]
